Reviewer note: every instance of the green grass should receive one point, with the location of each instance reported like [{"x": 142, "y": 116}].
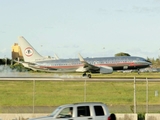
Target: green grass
[{"x": 54, "y": 93}]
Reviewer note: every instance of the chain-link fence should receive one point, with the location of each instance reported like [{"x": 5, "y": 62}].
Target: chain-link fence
[{"x": 35, "y": 96}]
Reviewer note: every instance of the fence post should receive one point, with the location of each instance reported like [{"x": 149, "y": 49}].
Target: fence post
[
  {"x": 33, "y": 95},
  {"x": 146, "y": 95},
  {"x": 85, "y": 90},
  {"x": 135, "y": 95}
]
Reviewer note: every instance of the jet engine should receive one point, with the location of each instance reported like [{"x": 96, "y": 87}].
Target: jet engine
[{"x": 105, "y": 69}]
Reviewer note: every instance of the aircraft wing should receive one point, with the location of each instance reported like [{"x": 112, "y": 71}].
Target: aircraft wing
[{"x": 93, "y": 68}]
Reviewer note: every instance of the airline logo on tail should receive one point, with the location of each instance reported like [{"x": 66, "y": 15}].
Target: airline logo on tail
[{"x": 28, "y": 51}]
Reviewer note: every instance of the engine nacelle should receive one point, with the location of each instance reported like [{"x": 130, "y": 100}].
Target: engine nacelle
[{"x": 105, "y": 70}]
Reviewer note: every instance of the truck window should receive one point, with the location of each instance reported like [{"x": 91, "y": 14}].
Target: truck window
[
  {"x": 98, "y": 110},
  {"x": 83, "y": 111},
  {"x": 65, "y": 113}
]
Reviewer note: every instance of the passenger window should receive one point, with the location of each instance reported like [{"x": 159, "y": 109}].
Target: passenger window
[
  {"x": 98, "y": 110},
  {"x": 83, "y": 111}
]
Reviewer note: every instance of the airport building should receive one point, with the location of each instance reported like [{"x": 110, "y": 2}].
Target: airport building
[{"x": 16, "y": 52}]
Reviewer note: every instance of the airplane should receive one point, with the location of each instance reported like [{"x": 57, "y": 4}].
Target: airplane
[{"x": 103, "y": 65}]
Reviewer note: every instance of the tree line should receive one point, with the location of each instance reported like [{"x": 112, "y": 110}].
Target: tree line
[{"x": 5, "y": 61}]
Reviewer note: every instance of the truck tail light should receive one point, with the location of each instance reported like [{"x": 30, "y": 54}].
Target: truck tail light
[{"x": 109, "y": 118}]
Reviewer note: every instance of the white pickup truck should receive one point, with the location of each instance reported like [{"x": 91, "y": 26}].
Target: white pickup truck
[{"x": 79, "y": 111}]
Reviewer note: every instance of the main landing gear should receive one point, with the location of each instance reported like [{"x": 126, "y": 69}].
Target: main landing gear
[
  {"x": 84, "y": 75},
  {"x": 138, "y": 71}
]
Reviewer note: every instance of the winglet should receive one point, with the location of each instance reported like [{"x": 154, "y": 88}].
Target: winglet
[
  {"x": 80, "y": 58},
  {"x": 56, "y": 56}
]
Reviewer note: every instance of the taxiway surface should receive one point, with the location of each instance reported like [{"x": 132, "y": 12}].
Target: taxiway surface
[{"x": 63, "y": 77}]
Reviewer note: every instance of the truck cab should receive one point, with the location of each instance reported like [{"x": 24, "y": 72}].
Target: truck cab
[{"x": 79, "y": 111}]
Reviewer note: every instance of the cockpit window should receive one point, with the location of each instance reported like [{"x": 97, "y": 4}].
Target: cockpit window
[{"x": 148, "y": 61}]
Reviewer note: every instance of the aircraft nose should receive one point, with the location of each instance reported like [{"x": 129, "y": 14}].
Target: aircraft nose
[{"x": 149, "y": 62}]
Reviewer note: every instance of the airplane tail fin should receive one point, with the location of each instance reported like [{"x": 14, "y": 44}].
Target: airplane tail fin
[{"x": 29, "y": 53}]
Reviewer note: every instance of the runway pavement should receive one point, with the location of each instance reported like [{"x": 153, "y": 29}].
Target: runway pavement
[
  {"x": 7, "y": 76},
  {"x": 75, "y": 79}
]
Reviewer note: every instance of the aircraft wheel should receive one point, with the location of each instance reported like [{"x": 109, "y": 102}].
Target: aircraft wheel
[
  {"x": 84, "y": 74},
  {"x": 89, "y": 75},
  {"x": 138, "y": 71}
]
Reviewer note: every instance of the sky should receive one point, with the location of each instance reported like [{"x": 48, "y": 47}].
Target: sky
[{"x": 93, "y": 28}]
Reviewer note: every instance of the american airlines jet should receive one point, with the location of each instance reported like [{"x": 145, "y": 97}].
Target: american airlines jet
[{"x": 103, "y": 65}]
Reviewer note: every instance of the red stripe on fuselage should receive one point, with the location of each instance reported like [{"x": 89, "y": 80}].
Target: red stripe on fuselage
[{"x": 62, "y": 67}]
